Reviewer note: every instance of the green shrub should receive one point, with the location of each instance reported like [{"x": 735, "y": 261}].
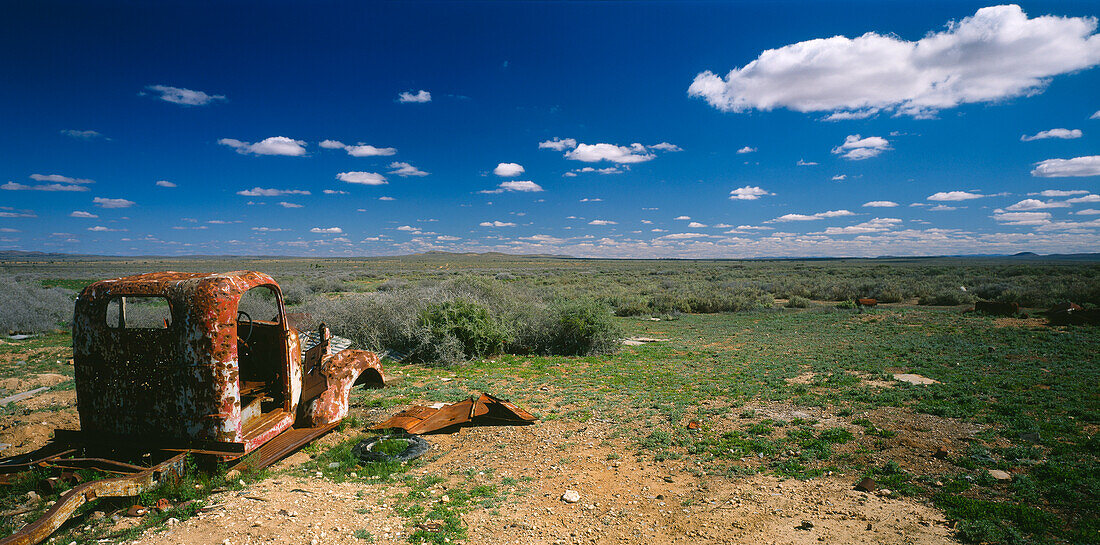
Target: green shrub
[
  {"x": 478, "y": 333},
  {"x": 947, "y": 297},
  {"x": 797, "y": 301},
  {"x": 846, "y": 304},
  {"x": 572, "y": 328}
]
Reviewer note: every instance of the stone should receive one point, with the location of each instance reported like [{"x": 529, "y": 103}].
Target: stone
[
  {"x": 914, "y": 379},
  {"x": 942, "y": 453},
  {"x": 1000, "y": 475},
  {"x": 866, "y": 485},
  {"x": 806, "y": 525},
  {"x": 232, "y": 475},
  {"x": 571, "y": 496}
]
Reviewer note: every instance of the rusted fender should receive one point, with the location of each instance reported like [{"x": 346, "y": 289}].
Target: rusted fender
[
  {"x": 342, "y": 371},
  {"x": 70, "y": 501}
]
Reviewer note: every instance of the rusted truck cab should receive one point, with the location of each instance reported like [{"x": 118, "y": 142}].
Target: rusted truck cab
[{"x": 205, "y": 362}]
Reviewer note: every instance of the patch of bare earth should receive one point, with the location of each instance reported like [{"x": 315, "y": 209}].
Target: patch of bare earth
[
  {"x": 623, "y": 499},
  {"x": 35, "y": 418}
]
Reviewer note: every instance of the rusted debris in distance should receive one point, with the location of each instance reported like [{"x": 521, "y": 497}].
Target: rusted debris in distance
[
  {"x": 486, "y": 408},
  {"x": 993, "y": 308},
  {"x": 866, "y": 302}
]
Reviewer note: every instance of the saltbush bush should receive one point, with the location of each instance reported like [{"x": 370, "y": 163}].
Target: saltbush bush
[
  {"x": 478, "y": 333},
  {"x": 30, "y": 308},
  {"x": 797, "y": 301}
]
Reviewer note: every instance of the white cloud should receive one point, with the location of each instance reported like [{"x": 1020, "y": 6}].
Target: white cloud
[
  {"x": 82, "y": 214},
  {"x": 558, "y": 144},
  {"x": 880, "y": 204},
  {"x": 1035, "y": 204},
  {"x": 334, "y": 192},
  {"x": 1021, "y": 218},
  {"x": 269, "y": 229},
  {"x": 496, "y": 224},
  {"x": 943, "y": 208},
  {"x": 746, "y": 149},
  {"x": 682, "y": 218},
  {"x": 186, "y": 97},
  {"x": 803, "y": 163},
  {"x": 405, "y": 170},
  {"x": 748, "y": 193},
  {"x": 544, "y": 239},
  {"x": 696, "y": 225},
  {"x": 9, "y": 212},
  {"x": 332, "y": 144},
  {"x": 112, "y": 203},
  {"x": 604, "y": 171},
  {"x": 857, "y": 148},
  {"x": 365, "y": 178},
  {"x": 813, "y": 217},
  {"x": 508, "y": 169},
  {"x": 100, "y": 228},
  {"x": 591, "y": 199},
  {"x": 1087, "y": 212},
  {"x": 384, "y": 198},
  {"x": 447, "y": 238},
  {"x": 954, "y": 196},
  {"x": 327, "y": 230},
  {"x": 1060, "y": 192},
  {"x": 1095, "y": 115},
  {"x": 57, "y": 178},
  {"x": 285, "y": 204},
  {"x": 682, "y": 236},
  {"x": 876, "y": 225},
  {"x": 164, "y": 183},
  {"x": 82, "y": 135},
  {"x": 275, "y": 145},
  {"x": 261, "y": 192},
  {"x": 665, "y": 146},
  {"x": 1086, "y": 198},
  {"x": 995, "y": 54},
  {"x": 839, "y": 177},
  {"x": 15, "y": 186},
  {"x": 420, "y": 96},
  {"x": 1061, "y": 168},
  {"x": 407, "y": 228},
  {"x": 366, "y": 150},
  {"x": 603, "y": 222},
  {"x": 591, "y": 153},
  {"x": 1064, "y": 134},
  {"x": 845, "y": 116},
  {"x": 525, "y": 186}
]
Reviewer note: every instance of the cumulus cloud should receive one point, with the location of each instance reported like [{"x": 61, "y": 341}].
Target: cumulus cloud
[
  {"x": 508, "y": 169},
  {"x": 496, "y": 224},
  {"x": 665, "y": 146},
  {"x": 1021, "y": 218},
  {"x": 682, "y": 218},
  {"x": 880, "y": 204},
  {"x": 1064, "y": 134},
  {"x": 525, "y": 186},
  {"x": 746, "y": 149},
  {"x": 82, "y": 135},
  {"x": 384, "y": 198},
  {"x": 696, "y": 225},
  {"x": 261, "y": 192},
  {"x": 605, "y": 170},
  {"x": 558, "y": 144},
  {"x": 164, "y": 183},
  {"x": 269, "y": 229},
  {"x": 275, "y": 145},
  {"x": 839, "y": 177},
  {"x": 995, "y": 54},
  {"x": 748, "y": 193},
  {"x": 405, "y": 170},
  {"x": 285, "y": 204},
  {"x": 1060, "y": 192},
  {"x": 334, "y": 192},
  {"x": 364, "y": 178},
  {"x": 358, "y": 150},
  {"x": 857, "y": 148},
  {"x": 9, "y": 212},
  {"x": 954, "y": 196},
  {"x": 1086, "y": 198},
  {"x": 1088, "y": 212},
  {"x": 591, "y": 153},
  {"x": 16, "y": 186},
  {"x": 100, "y": 228},
  {"x": 803, "y": 163},
  {"x": 327, "y": 230},
  {"x": 1096, "y": 115},
  {"x": 1062, "y": 168},
  {"x": 112, "y": 203},
  {"x": 185, "y": 97},
  {"x": 603, "y": 222},
  {"x": 876, "y": 225},
  {"x": 420, "y": 96},
  {"x": 1035, "y": 204},
  {"x": 82, "y": 214},
  {"x": 544, "y": 239},
  {"x": 813, "y": 217}
]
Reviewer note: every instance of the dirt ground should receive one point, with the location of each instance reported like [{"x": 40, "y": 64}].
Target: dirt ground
[{"x": 623, "y": 497}]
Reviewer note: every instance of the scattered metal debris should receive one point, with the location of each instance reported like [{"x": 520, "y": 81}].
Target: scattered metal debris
[
  {"x": 415, "y": 447},
  {"x": 484, "y": 409},
  {"x": 24, "y": 395},
  {"x": 866, "y": 302},
  {"x": 1072, "y": 314}
]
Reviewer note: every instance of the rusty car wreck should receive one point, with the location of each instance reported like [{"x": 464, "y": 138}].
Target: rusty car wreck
[{"x": 169, "y": 364}]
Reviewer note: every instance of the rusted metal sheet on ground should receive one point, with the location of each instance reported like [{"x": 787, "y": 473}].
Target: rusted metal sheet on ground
[{"x": 483, "y": 409}]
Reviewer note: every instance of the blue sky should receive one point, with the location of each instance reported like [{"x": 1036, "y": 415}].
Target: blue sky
[{"x": 739, "y": 129}]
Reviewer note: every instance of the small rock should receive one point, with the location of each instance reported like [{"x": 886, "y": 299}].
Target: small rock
[
  {"x": 33, "y": 496},
  {"x": 867, "y": 485},
  {"x": 884, "y": 492},
  {"x": 232, "y": 475},
  {"x": 806, "y": 525},
  {"x": 571, "y": 496},
  {"x": 942, "y": 453},
  {"x": 668, "y": 479},
  {"x": 1000, "y": 475}
]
